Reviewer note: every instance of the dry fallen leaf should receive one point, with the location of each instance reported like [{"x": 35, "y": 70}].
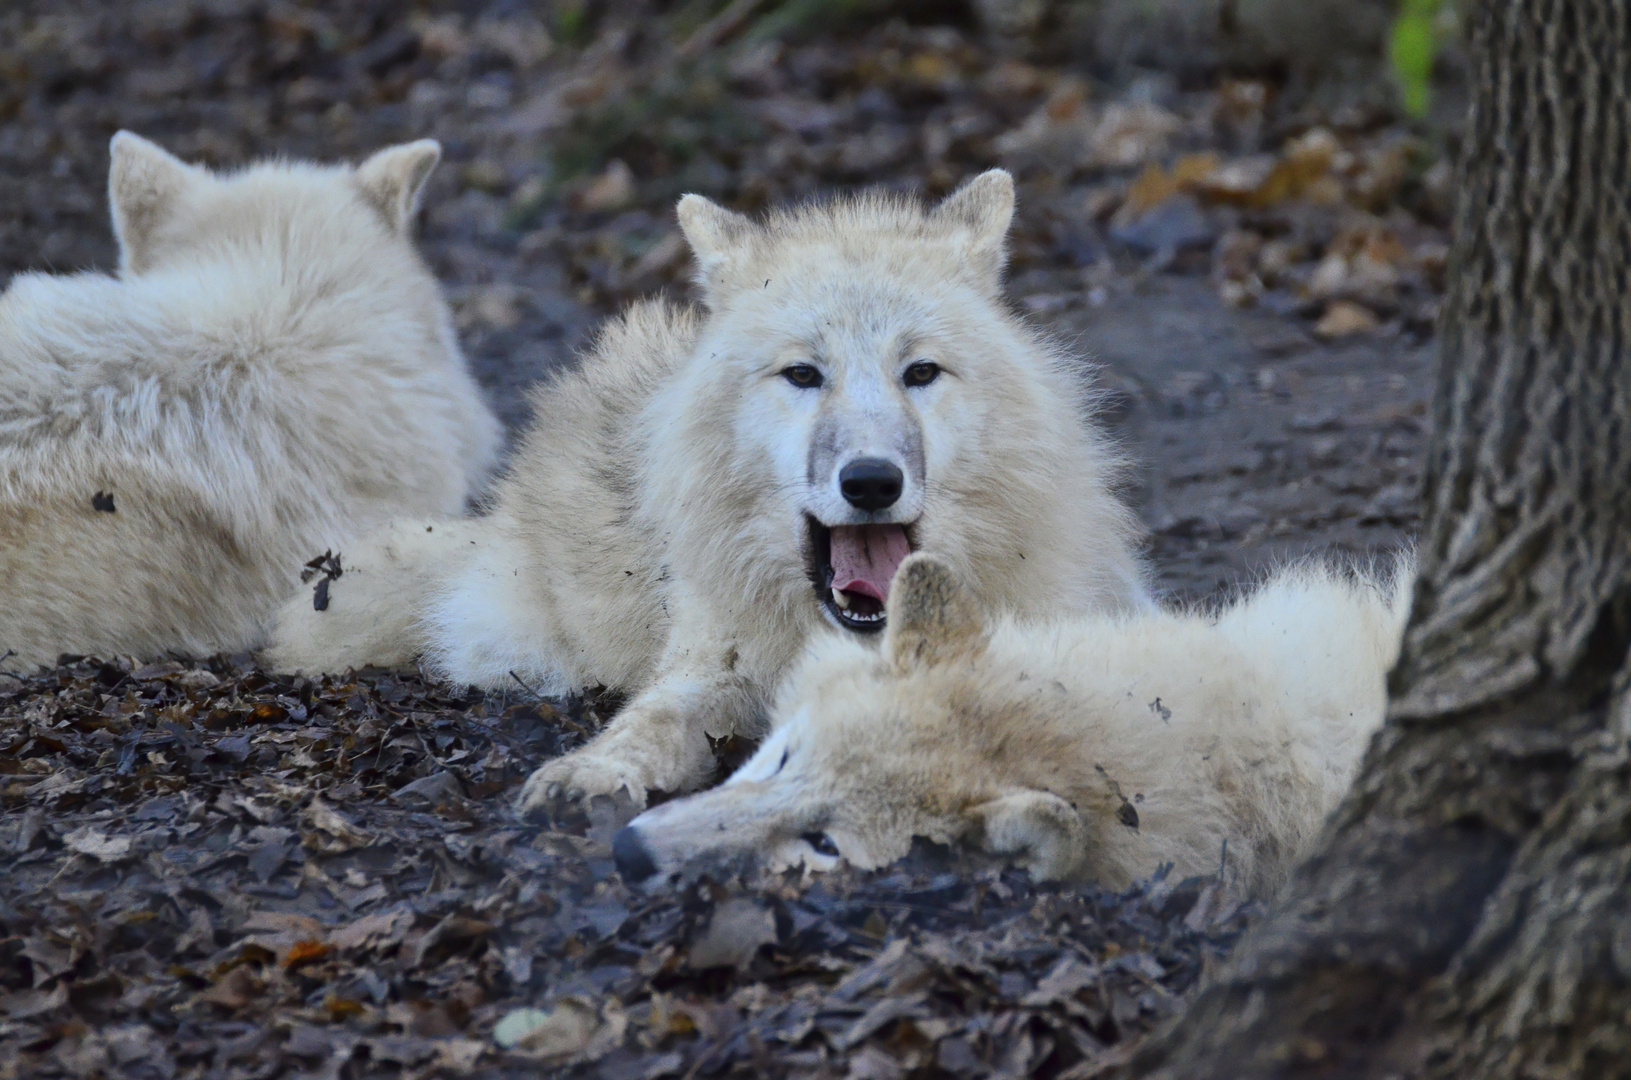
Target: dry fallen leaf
[
  {"x": 305, "y": 952},
  {"x": 1152, "y": 187},
  {"x": 1363, "y": 264},
  {"x": 237, "y": 988},
  {"x": 342, "y": 1009},
  {"x": 1240, "y": 292},
  {"x": 330, "y": 832},
  {"x": 872, "y": 1063},
  {"x": 517, "y": 1025},
  {"x": 453, "y": 930},
  {"x": 572, "y": 1031},
  {"x": 457, "y": 1057},
  {"x": 611, "y": 190},
  {"x": 380, "y": 930},
  {"x": 498, "y": 307},
  {"x": 1192, "y": 169},
  {"x": 1240, "y": 182},
  {"x": 97, "y": 844},
  {"x": 1128, "y": 135},
  {"x": 24, "y": 1004},
  {"x": 1344, "y": 318}
]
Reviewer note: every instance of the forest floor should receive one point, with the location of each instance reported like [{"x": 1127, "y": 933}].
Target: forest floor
[{"x": 208, "y": 871}]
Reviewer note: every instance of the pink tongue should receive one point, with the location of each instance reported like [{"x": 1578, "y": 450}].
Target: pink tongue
[{"x": 865, "y": 557}]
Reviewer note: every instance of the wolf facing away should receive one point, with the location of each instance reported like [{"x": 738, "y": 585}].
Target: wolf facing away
[
  {"x": 272, "y": 371},
  {"x": 1098, "y": 748},
  {"x": 710, "y": 487}
]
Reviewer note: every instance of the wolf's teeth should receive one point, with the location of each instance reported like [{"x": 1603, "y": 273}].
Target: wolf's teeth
[{"x": 841, "y": 599}]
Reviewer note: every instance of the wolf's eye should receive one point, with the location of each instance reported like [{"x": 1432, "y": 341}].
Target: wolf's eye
[
  {"x": 822, "y": 843},
  {"x": 922, "y": 373},
  {"x": 803, "y": 376}
]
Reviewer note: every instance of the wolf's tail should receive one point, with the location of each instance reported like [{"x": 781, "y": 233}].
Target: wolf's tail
[
  {"x": 1329, "y": 638},
  {"x": 1311, "y": 609},
  {"x": 370, "y": 613}
]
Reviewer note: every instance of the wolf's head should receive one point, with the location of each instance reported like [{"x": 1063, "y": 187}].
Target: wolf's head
[
  {"x": 860, "y": 390},
  {"x": 871, "y": 750},
  {"x": 165, "y": 210}
]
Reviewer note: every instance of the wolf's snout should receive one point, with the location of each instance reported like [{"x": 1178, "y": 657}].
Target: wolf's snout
[
  {"x": 871, "y": 483},
  {"x": 629, "y": 852}
]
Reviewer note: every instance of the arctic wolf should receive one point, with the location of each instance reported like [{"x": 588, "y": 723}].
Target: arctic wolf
[
  {"x": 1098, "y": 747},
  {"x": 272, "y": 371},
  {"x": 709, "y": 488}
]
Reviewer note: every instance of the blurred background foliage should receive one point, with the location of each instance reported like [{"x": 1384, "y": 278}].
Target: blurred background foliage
[
  {"x": 1290, "y": 147},
  {"x": 674, "y": 117},
  {"x": 1418, "y": 33}
]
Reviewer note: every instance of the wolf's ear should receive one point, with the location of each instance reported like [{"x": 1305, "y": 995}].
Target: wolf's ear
[
  {"x": 394, "y": 179},
  {"x": 976, "y": 216},
  {"x": 716, "y": 236},
  {"x": 1037, "y": 829},
  {"x": 932, "y": 617},
  {"x": 145, "y": 182}
]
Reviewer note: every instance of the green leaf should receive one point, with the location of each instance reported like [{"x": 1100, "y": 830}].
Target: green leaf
[{"x": 1412, "y": 47}]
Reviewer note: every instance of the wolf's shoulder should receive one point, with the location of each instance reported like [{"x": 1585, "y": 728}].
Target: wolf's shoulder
[{"x": 629, "y": 357}]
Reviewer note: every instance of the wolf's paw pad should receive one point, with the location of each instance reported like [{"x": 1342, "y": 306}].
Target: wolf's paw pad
[{"x": 577, "y": 778}]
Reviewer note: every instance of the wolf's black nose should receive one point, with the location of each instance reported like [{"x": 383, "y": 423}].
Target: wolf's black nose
[
  {"x": 870, "y": 483},
  {"x": 632, "y": 858}
]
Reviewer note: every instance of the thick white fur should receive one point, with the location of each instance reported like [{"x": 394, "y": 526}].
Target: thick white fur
[
  {"x": 272, "y": 371},
  {"x": 1025, "y": 738},
  {"x": 650, "y": 535}
]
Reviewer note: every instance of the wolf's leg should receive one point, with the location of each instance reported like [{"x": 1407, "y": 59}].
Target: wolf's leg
[
  {"x": 659, "y": 742},
  {"x": 492, "y": 622},
  {"x": 370, "y": 614}
]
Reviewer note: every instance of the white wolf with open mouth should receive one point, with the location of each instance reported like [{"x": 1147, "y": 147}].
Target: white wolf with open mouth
[
  {"x": 272, "y": 372},
  {"x": 1097, "y": 747},
  {"x": 708, "y": 489}
]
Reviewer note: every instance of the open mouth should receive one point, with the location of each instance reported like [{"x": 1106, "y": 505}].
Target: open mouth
[{"x": 851, "y": 566}]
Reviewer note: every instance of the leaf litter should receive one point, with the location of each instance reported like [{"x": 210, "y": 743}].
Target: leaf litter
[{"x": 212, "y": 871}]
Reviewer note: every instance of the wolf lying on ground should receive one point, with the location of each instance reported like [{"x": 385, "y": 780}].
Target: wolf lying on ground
[
  {"x": 709, "y": 488},
  {"x": 1096, "y": 748},
  {"x": 272, "y": 371}
]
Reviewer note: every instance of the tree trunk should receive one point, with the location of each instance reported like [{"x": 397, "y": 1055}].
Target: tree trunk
[{"x": 1470, "y": 912}]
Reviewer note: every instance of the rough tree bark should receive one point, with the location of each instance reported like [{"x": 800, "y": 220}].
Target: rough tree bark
[{"x": 1470, "y": 912}]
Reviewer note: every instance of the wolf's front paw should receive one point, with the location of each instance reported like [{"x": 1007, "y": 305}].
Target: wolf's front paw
[{"x": 579, "y": 777}]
